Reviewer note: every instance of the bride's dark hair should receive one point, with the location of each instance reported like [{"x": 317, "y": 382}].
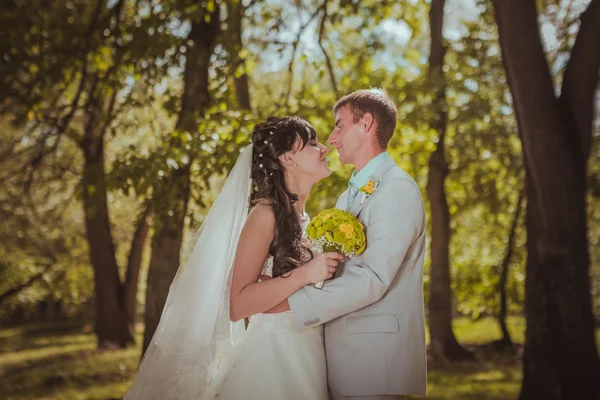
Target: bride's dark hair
[{"x": 270, "y": 140}]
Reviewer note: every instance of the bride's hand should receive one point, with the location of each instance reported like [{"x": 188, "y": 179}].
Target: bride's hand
[{"x": 322, "y": 267}]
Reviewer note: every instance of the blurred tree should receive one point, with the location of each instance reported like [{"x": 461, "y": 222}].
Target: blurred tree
[
  {"x": 237, "y": 52},
  {"x": 381, "y": 45},
  {"x": 485, "y": 166},
  {"x": 444, "y": 345},
  {"x": 283, "y": 46},
  {"x": 174, "y": 193},
  {"x": 506, "y": 341},
  {"x": 560, "y": 360},
  {"x": 71, "y": 86}
]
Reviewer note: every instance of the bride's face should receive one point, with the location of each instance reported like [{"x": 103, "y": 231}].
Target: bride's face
[{"x": 310, "y": 161}]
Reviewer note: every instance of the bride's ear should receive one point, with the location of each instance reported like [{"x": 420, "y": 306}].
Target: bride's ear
[{"x": 286, "y": 160}]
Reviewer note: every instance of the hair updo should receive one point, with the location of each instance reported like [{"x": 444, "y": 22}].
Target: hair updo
[{"x": 270, "y": 140}]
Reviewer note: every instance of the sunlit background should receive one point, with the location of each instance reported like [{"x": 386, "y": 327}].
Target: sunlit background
[{"x": 120, "y": 119}]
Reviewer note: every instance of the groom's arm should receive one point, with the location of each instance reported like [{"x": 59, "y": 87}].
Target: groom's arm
[{"x": 396, "y": 220}]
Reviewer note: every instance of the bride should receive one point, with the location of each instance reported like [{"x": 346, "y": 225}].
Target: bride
[{"x": 192, "y": 355}]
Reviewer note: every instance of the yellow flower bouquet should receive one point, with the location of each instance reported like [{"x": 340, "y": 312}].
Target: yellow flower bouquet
[{"x": 337, "y": 231}]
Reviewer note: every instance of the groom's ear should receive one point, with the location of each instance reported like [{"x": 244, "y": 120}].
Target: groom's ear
[{"x": 367, "y": 121}]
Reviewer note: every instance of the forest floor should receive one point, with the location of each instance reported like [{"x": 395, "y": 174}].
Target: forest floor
[{"x": 59, "y": 361}]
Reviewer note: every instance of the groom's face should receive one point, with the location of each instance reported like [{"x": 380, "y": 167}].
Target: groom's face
[{"x": 347, "y": 137}]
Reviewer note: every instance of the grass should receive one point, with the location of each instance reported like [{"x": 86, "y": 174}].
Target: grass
[
  {"x": 60, "y": 361},
  {"x": 497, "y": 376}
]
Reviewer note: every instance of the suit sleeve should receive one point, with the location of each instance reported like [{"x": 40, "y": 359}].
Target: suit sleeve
[{"x": 396, "y": 219}]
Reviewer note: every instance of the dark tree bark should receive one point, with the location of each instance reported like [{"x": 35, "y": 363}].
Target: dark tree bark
[
  {"x": 168, "y": 235},
  {"x": 115, "y": 302},
  {"x": 134, "y": 263},
  {"x": 238, "y": 64},
  {"x": 444, "y": 346},
  {"x": 112, "y": 325},
  {"x": 561, "y": 360},
  {"x": 166, "y": 246},
  {"x": 506, "y": 341},
  {"x": 328, "y": 63},
  {"x": 93, "y": 105}
]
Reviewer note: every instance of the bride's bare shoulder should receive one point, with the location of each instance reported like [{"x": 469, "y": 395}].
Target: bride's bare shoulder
[{"x": 261, "y": 217}]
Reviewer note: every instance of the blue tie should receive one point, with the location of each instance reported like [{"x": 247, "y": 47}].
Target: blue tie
[{"x": 352, "y": 192}]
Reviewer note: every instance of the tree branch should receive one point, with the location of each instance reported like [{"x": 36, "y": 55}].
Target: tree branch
[
  {"x": 108, "y": 119},
  {"x": 505, "y": 266},
  {"x": 26, "y": 284},
  {"x": 581, "y": 75},
  {"x": 327, "y": 59},
  {"x": 134, "y": 262},
  {"x": 294, "y": 49}
]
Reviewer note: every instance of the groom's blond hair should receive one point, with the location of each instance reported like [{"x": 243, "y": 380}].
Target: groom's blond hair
[{"x": 379, "y": 105}]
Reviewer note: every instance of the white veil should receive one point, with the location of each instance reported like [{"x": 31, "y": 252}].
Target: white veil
[{"x": 194, "y": 331}]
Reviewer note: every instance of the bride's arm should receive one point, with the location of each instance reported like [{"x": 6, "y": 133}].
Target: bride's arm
[{"x": 249, "y": 297}]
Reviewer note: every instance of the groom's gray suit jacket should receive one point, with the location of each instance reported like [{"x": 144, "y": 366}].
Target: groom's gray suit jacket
[{"x": 373, "y": 309}]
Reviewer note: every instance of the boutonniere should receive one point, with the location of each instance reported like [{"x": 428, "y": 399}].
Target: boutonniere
[{"x": 369, "y": 189}]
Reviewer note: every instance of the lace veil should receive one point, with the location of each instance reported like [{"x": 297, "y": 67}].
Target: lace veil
[{"x": 194, "y": 332}]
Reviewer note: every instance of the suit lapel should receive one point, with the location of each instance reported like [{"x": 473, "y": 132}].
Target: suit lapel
[
  {"x": 358, "y": 204},
  {"x": 361, "y": 197},
  {"x": 342, "y": 202}
]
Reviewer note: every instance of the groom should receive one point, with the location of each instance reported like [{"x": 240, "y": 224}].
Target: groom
[{"x": 373, "y": 310}]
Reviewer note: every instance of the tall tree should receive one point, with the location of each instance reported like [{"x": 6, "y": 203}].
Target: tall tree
[
  {"x": 71, "y": 87},
  {"x": 444, "y": 345},
  {"x": 174, "y": 193},
  {"x": 560, "y": 359},
  {"x": 504, "y": 269},
  {"x": 237, "y": 52}
]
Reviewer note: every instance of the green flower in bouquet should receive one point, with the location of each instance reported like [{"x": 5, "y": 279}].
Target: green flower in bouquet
[{"x": 337, "y": 230}]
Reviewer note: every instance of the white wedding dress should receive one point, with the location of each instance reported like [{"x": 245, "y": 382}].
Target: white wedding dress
[{"x": 273, "y": 360}]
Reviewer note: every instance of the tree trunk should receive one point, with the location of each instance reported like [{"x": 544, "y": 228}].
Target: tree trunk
[
  {"x": 134, "y": 264},
  {"x": 561, "y": 360},
  {"x": 238, "y": 63},
  {"x": 444, "y": 346},
  {"x": 506, "y": 341},
  {"x": 168, "y": 235},
  {"x": 166, "y": 246},
  {"x": 112, "y": 324}
]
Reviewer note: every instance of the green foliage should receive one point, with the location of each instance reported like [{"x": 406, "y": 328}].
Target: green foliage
[
  {"x": 42, "y": 245},
  {"x": 137, "y": 51}
]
